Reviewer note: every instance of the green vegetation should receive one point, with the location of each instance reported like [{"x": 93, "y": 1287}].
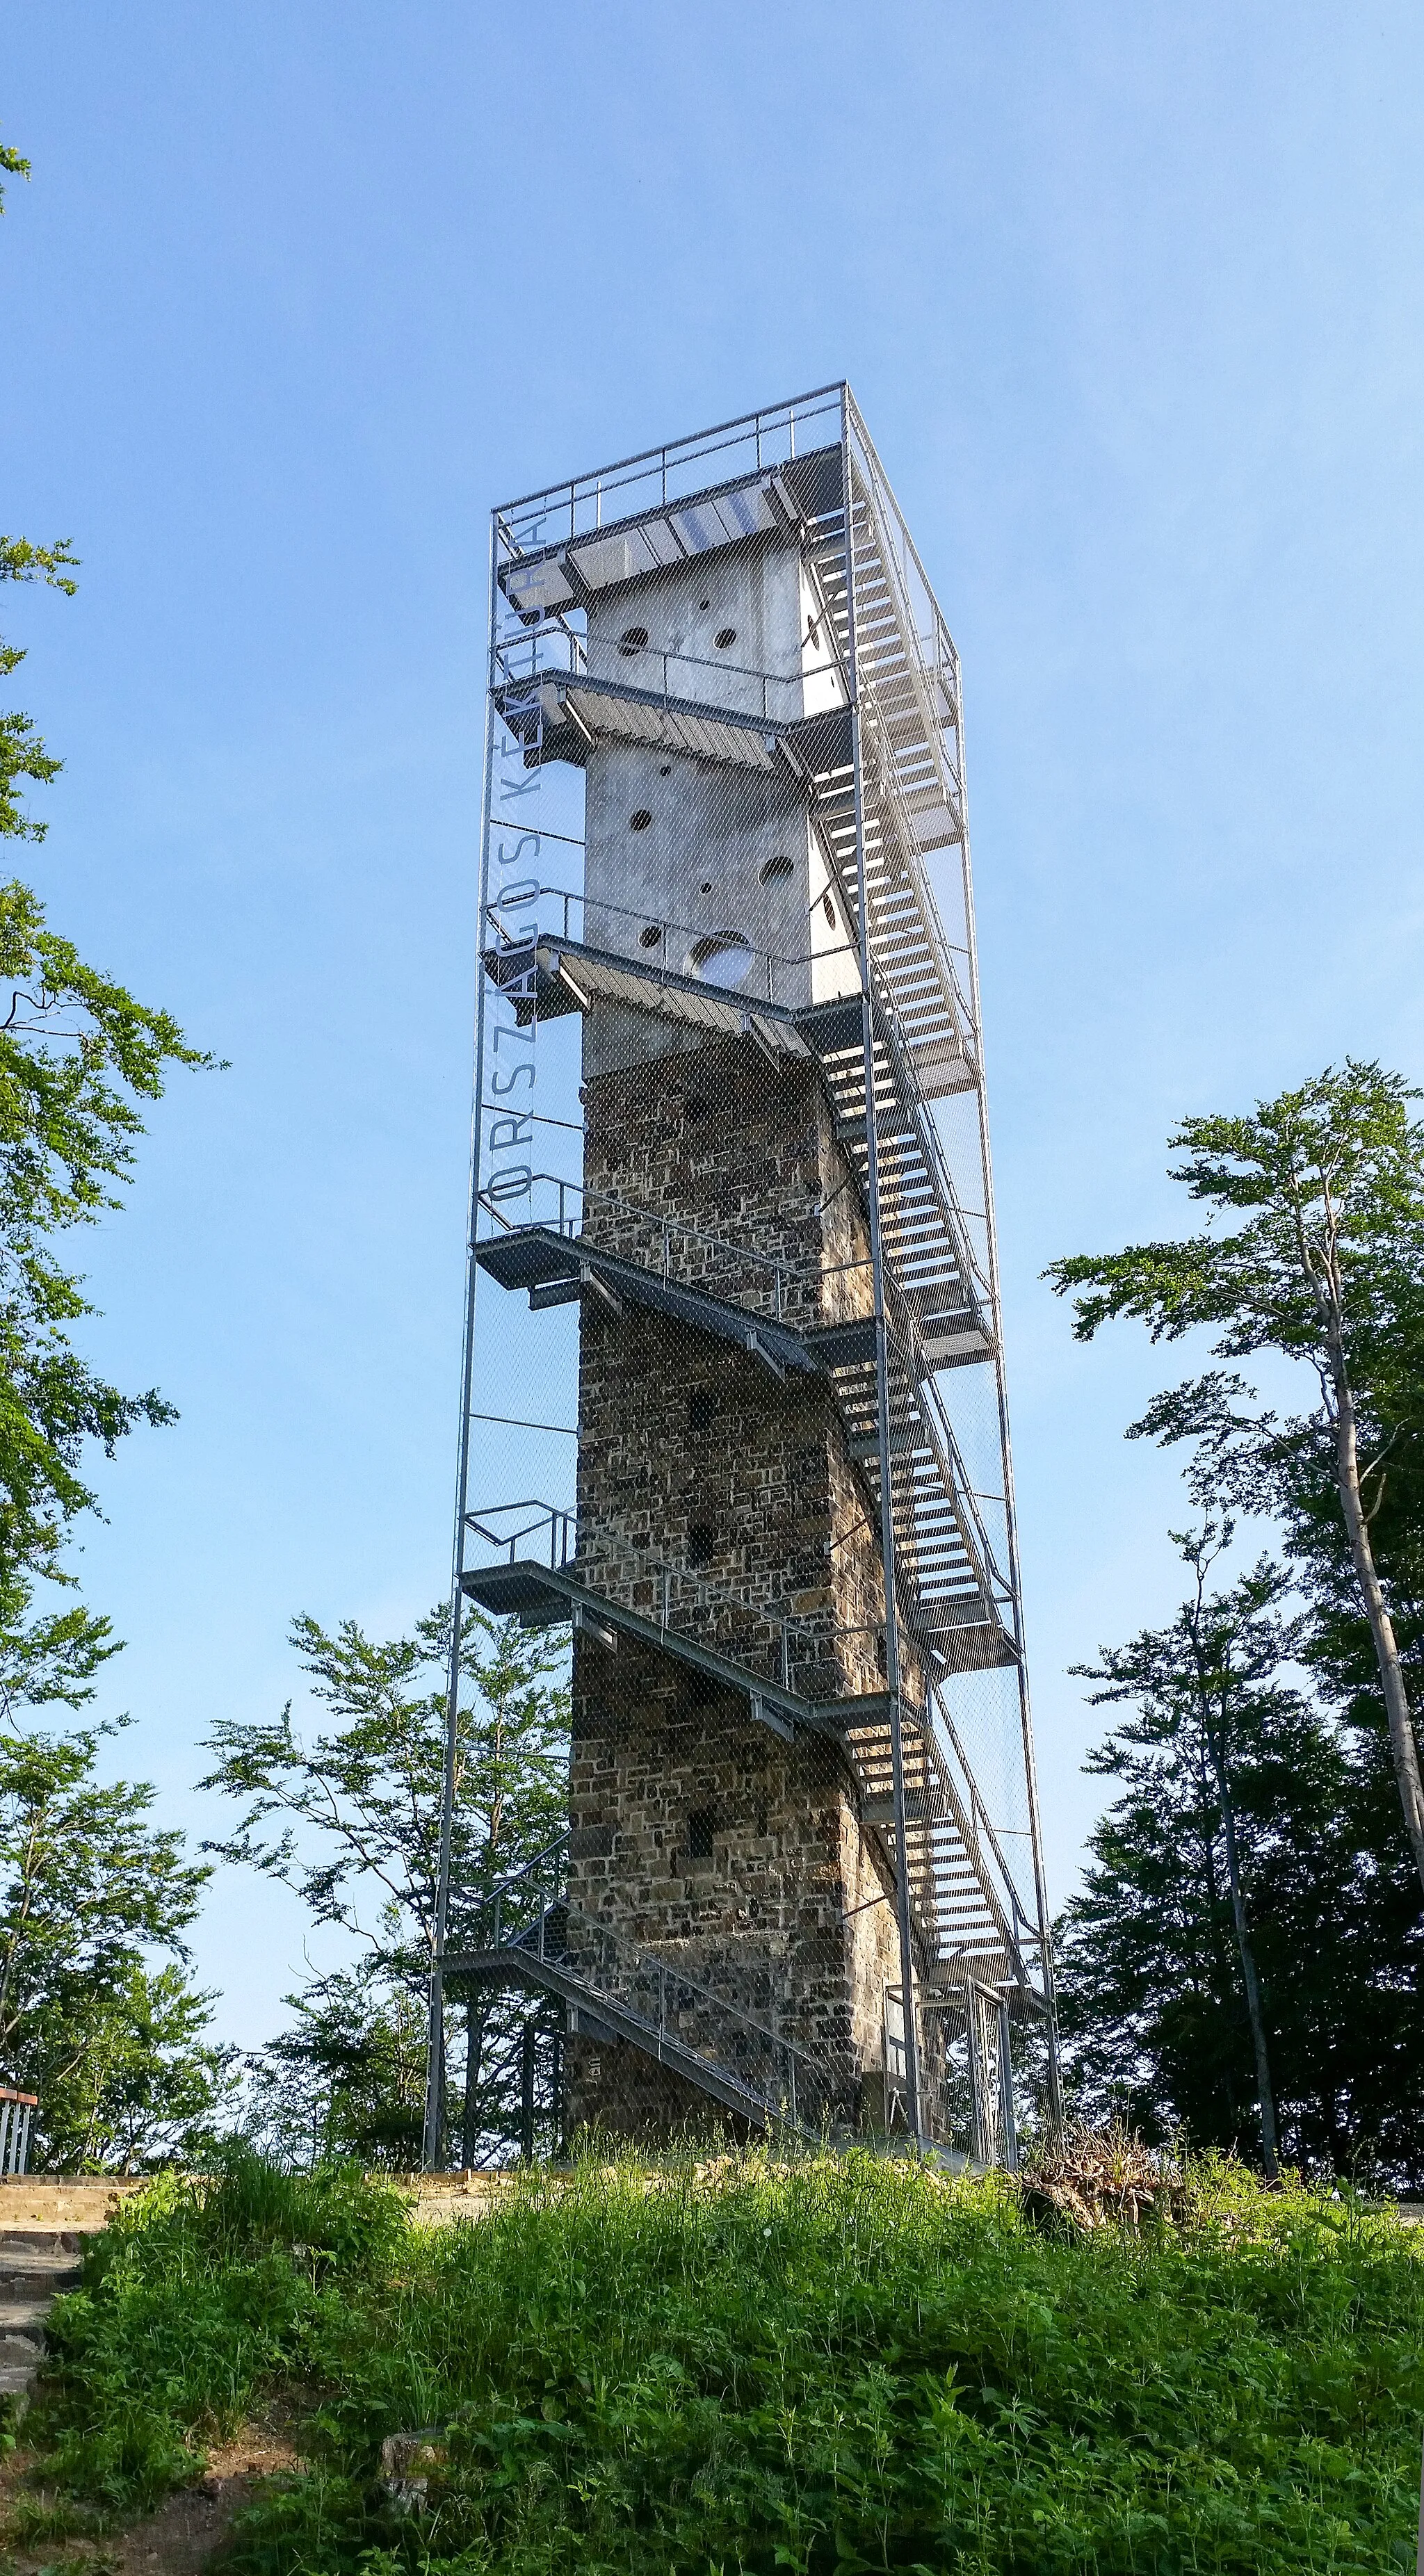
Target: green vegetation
[
  {"x": 90, "y": 1890},
  {"x": 111, "y": 2038},
  {"x": 1313, "y": 1252},
  {"x": 356, "y": 1810},
  {"x": 79, "y": 1058},
  {"x": 1239, "y": 1839},
  {"x": 832, "y": 2365}
]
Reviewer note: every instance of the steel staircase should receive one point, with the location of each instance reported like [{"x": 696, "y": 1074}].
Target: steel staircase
[
  {"x": 616, "y": 1990},
  {"x": 962, "y": 1892}
]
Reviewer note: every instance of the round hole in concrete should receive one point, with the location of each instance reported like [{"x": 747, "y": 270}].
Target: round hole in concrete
[
  {"x": 651, "y": 937},
  {"x": 666, "y": 770},
  {"x": 639, "y": 822},
  {"x": 723, "y": 958},
  {"x": 706, "y": 603},
  {"x": 724, "y": 636},
  {"x": 632, "y": 640},
  {"x": 706, "y": 886},
  {"x": 777, "y": 868}
]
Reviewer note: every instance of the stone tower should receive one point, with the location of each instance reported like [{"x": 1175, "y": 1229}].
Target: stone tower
[{"x": 782, "y": 1895}]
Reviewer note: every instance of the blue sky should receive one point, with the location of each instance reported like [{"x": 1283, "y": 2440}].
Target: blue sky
[{"x": 1131, "y": 300}]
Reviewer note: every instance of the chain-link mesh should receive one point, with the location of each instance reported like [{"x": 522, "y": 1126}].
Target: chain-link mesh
[{"x": 734, "y": 1234}]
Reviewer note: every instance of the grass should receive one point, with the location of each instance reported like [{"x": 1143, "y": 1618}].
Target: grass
[{"x": 837, "y": 2365}]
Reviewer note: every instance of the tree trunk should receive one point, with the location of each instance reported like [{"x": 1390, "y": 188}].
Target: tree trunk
[
  {"x": 1264, "y": 2091},
  {"x": 1402, "y": 1743}
]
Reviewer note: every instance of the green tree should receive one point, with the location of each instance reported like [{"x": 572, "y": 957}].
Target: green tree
[
  {"x": 1359, "y": 1945},
  {"x": 349, "y": 1820},
  {"x": 90, "y": 1890},
  {"x": 1324, "y": 1266},
  {"x": 79, "y": 1058},
  {"x": 78, "y": 1055},
  {"x": 1206, "y": 1687},
  {"x": 1153, "y": 1992},
  {"x": 140, "y": 2083},
  {"x": 348, "y": 2077},
  {"x": 113, "y": 2043},
  {"x": 22, "y": 752}
]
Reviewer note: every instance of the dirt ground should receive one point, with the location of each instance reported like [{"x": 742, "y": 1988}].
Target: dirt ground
[
  {"x": 181, "y": 2538},
  {"x": 187, "y": 2532}
]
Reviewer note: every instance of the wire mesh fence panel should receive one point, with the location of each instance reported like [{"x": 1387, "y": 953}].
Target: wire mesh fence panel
[{"x": 733, "y": 1246}]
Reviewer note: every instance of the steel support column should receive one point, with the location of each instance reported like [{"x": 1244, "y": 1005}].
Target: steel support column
[{"x": 882, "y": 1379}]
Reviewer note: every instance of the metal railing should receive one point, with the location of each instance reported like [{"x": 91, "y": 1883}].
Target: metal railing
[
  {"x": 17, "y": 2113},
  {"x": 809, "y": 2089},
  {"x": 675, "y": 471},
  {"x": 552, "y": 1526},
  {"x": 788, "y": 1647},
  {"x": 561, "y": 1206},
  {"x": 789, "y": 1644},
  {"x": 554, "y": 912},
  {"x": 675, "y": 679}
]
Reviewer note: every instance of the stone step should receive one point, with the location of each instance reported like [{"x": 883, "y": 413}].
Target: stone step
[
  {"x": 36, "y": 2280},
  {"x": 22, "y": 2316},
  {"x": 35, "y": 2263}
]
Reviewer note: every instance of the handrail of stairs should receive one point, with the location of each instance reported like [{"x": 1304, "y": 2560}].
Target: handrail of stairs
[
  {"x": 17, "y": 2113},
  {"x": 661, "y": 1997}
]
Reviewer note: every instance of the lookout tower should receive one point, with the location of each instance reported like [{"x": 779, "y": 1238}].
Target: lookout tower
[{"x": 731, "y": 1120}]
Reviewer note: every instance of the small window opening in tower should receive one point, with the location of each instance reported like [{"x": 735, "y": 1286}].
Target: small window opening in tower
[
  {"x": 701, "y": 1543},
  {"x": 702, "y": 1408},
  {"x": 725, "y": 636},
  {"x": 651, "y": 937},
  {"x": 777, "y": 868},
  {"x": 632, "y": 641},
  {"x": 701, "y": 1825},
  {"x": 639, "y": 822}
]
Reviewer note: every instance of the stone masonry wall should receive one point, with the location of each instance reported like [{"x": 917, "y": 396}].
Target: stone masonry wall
[{"x": 697, "y": 1834}]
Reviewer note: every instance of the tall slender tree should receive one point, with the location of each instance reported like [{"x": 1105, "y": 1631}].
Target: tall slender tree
[
  {"x": 1207, "y": 1693},
  {"x": 1324, "y": 1264},
  {"x": 1156, "y": 2003}
]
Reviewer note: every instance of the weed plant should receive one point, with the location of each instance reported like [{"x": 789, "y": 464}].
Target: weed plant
[{"x": 835, "y": 2365}]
